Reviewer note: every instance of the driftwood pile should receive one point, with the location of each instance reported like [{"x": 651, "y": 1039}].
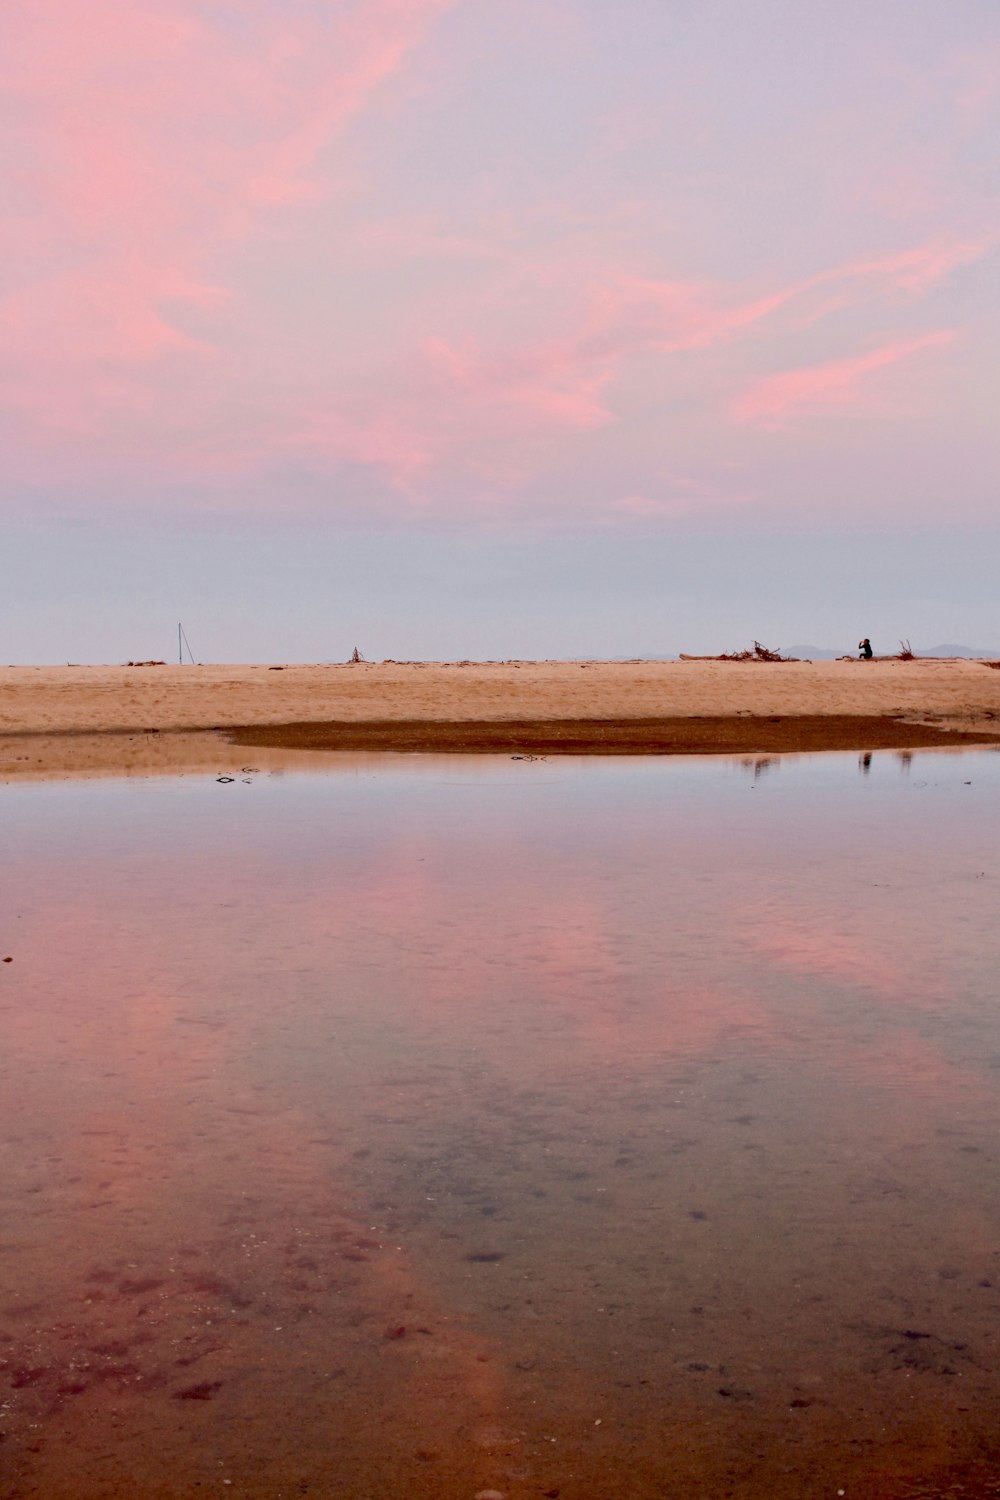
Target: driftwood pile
[{"x": 759, "y": 653}]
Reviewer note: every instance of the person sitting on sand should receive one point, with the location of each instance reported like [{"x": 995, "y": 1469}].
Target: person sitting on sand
[{"x": 865, "y": 650}]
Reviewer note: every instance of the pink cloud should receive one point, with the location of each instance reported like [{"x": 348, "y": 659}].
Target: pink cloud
[
  {"x": 156, "y": 138},
  {"x": 625, "y": 316},
  {"x": 908, "y": 273},
  {"x": 375, "y": 40},
  {"x": 678, "y": 316},
  {"x": 222, "y": 262},
  {"x": 490, "y": 409},
  {"x": 449, "y": 398},
  {"x": 769, "y": 402},
  {"x": 467, "y": 408},
  {"x": 554, "y": 380}
]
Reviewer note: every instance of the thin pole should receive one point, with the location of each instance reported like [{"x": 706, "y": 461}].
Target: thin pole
[
  {"x": 182, "y": 636},
  {"x": 180, "y": 653}
]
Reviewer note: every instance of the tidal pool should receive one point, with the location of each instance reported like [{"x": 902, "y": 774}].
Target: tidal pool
[{"x": 424, "y": 1127}]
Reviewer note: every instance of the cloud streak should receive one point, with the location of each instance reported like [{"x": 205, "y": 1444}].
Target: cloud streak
[{"x": 772, "y": 401}]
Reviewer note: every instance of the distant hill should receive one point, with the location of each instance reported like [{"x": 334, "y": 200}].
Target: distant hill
[
  {"x": 820, "y": 653},
  {"x": 973, "y": 652}
]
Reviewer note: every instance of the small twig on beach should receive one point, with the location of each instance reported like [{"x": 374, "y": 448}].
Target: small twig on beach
[{"x": 905, "y": 653}]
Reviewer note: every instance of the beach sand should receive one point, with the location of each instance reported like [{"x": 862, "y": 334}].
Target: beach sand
[{"x": 147, "y": 719}]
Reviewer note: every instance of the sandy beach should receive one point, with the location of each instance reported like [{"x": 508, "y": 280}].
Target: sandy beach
[{"x": 142, "y": 719}]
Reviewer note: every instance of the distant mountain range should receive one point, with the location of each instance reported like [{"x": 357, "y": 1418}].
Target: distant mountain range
[{"x": 820, "y": 653}]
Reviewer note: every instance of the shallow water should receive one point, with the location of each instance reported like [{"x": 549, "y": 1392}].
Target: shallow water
[{"x": 424, "y": 1127}]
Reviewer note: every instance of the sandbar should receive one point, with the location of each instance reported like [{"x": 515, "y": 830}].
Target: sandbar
[{"x": 59, "y": 721}]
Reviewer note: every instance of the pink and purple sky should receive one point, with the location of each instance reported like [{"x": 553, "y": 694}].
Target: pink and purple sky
[{"x": 530, "y": 327}]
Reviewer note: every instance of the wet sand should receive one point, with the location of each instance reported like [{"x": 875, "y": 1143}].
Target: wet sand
[
  {"x": 102, "y": 720},
  {"x": 673, "y": 736}
]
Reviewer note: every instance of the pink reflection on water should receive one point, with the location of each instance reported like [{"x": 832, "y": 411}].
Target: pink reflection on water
[
  {"x": 500, "y": 1121},
  {"x": 803, "y": 947},
  {"x": 889, "y": 956}
]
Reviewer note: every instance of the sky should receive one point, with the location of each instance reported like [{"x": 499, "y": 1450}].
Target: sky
[{"x": 491, "y": 328}]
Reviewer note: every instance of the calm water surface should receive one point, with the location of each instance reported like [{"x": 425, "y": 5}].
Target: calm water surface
[{"x": 425, "y": 1127}]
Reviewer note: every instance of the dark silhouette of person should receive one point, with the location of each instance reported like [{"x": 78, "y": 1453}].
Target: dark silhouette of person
[{"x": 865, "y": 649}]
